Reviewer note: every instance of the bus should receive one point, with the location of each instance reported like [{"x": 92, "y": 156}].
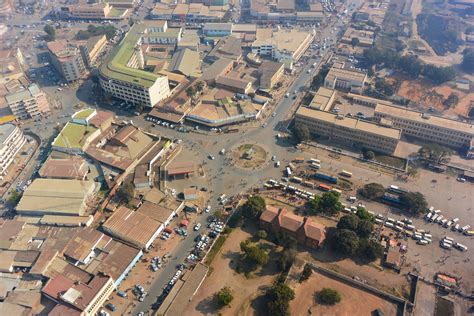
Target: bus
[
  {"x": 296, "y": 180},
  {"x": 298, "y": 160},
  {"x": 336, "y": 190},
  {"x": 324, "y": 187},
  {"x": 396, "y": 189},
  {"x": 288, "y": 171},
  {"x": 346, "y": 174},
  {"x": 292, "y": 166},
  {"x": 315, "y": 166},
  {"x": 308, "y": 184},
  {"x": 314, "y": 160}
]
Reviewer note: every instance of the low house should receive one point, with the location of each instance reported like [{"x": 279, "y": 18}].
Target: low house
[{"x": 302, "y": 229}]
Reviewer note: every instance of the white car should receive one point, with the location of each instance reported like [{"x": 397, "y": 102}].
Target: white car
[
  {"x": 211, "y": 157},
  {"x": 207, "y": 209},
  {"x": 197, "y": 226}
]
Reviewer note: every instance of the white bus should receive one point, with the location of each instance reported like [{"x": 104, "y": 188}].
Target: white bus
[
  {"x": 316, "y": 161},
  {"x": 288, "y": 171},
  {"x": 346, "y": 173},
  {"x": 315, "y": 166},
  {"x": 297, "y": 180}
]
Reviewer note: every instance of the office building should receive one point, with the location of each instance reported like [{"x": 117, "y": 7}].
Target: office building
[
  {"x": 67, "y": 59},
  {"x": 427, "y": 127},
  {"x": 323, "y": 99},
  {"x": 29, "y": 103},
  {"x": 11, "y": 142},
  {"x": 122, "y": 74},
  {"x": 92, "y": 48},
  {"x": 347, "y": 79},
  {"x": 270, "y": 73},
  {"x": 217, "y": 29},
  {"x": 92, "y": 11},
  {"x": 348, "y": 130}
]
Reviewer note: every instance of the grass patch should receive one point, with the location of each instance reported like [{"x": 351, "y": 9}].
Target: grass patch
[
  {"x": 391, "y": 161},
  {"x": 215, "y": 249}
]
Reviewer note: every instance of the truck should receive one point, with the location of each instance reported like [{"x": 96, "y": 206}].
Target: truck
[{"x": 326, "y": 177}]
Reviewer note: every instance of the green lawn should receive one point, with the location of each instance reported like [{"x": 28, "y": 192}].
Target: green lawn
[{"x": 391, "y": 161}]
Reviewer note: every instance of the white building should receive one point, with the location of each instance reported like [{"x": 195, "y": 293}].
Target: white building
[
  {"x": 11, "y": 141},
  {"x": 67, "y": 59},
  {"x": 29, "y": 103}
]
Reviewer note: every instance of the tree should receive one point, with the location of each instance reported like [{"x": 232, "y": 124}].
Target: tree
[
  {"x": 14, "y": 198},
  {"x": 329, "y": 203},
  {"x": 313, "y": 205},
  {"x": 413, "y": 202},
  {"x": 451, "y": 101},
  {"x": 224, "y": 296},
  {"x": 287, "y": 258},
  {"x": 50, "y": 32},
  {"x": 468, "y": 60},
  {"x": 253, "y": 208},
  {"x": 328, "y": 296},
  {"x": 262, "y": 234},
  {"x": 301, "y": 133},
  {"x": 435, "y": 153},
  {"x": 363, "y": 214},
  {"x": 307, "y": 272},
  {"x": 254, "y": 253},
  {"x": 355, "y": 41},
  {"x": 369, "y": 155},
  {"x": 190, "y": 92},
  {"x": 126, "y": 192},
  {"x": 372, "y": 191},
  {"x": 364, "y": 228},
  {"x": 279, "y": 297},
  {"x": 200, "y": 86},
  {"x": 349, "y": 222},
  {"x": 438, "y": 75},
  {"x": 370, "y": 249},
  {"x": 345, "y": 242}
]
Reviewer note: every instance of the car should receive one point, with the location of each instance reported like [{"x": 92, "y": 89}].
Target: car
[
  {"x": 207, "y": 209},
  {"x": 211, "y": 157},
  {"x": 274, "y": 158},
  {"x": 264, "y": 125},
  {"x": 197, "y": 226},
  {"x": 274, "y": 114},
  {"x": 461, "y": 179},
  {"x": 111, "y": 307},
  {"x": 122, "y": 294}
]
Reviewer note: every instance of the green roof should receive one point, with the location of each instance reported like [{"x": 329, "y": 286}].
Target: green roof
[
  {"x": 115, "y": 66},
  {"x": 82, "y": 115},
  {"x": 116, "y": 13},
  {"x": 73, "y": 136}
]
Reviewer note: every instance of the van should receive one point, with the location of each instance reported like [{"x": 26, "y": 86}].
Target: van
[
  {"x": 445, "y": 245},
  {"x": 455, "y": 227},
  {"x": 398, "y": 228},
  {"x": 448, "y": 223},
  {"x": 422, "y": 242},
  {"x": 437, "y": 211},
  {"x": 427, "y": 236},
  {"x": 390, "y": 219},
  {"x": 389, "y": 225},
  {"x": 417, "y": 236},
  {"x": 410, "y": 227},
  {"x": 400, "y": 223},
  {"x": 428, "y": 216},
  {"x": 352, "y": 199}
]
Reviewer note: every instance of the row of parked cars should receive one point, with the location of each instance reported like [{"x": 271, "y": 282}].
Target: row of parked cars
[
  {"x": 435, "y": 216},
  {"x": 159, "y": 122}
]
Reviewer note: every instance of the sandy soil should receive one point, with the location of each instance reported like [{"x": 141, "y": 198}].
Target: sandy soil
[
  {"x": 223, "y": 274},
  {"x": 258, "y": 159},
  {"x": 354, "y": 301}
]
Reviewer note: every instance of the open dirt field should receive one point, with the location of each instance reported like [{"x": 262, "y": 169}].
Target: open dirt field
[
  {"x": 428, "y": 96},
  {"x": 354, "y": 301},
  {"x": 256, "y": 158},
  {"x": 223, "y": 274}
]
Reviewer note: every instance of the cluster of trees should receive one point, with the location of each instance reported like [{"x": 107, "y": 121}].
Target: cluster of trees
[
  {"x": 372, "y": 191},
  {"x": 328, "y": 296},
  {"x": 435, "y": 153},
  {"x": 328, "y": 204},
  {"x": 301, "y": 133},
  {"x": 287, "y": 255},
  {"x": 278, "y": 298},
  {"x": 352, "y": 236},
  {"x": 14, "y": 198},
  {"x": 253, "y": 207},
  {"x": 408, "y": 64},
  {"x": 253, "y": 253},
  {"x": 413, "y": 202},
  {"x": 468, "y": 60},
  {"x": 318, "y": 80},
  {"x": 50, "y": 33},
  {"x": 224, "y": 297},
  {"x": 93, "y": 30},
  {"x": 126, "y": 192},
  {"x": 307, "y": 272},
  {"x": 192, "y": 91},
  {"x": 439, "y": 32}
]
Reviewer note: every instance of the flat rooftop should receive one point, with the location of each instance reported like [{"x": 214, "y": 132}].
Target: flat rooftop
[
  {"x": 349, "y": 122},
  {"x": 73, "y": 135},
  {"x": 322, "y": 97},
  {"x": 425, "y": 118},
  {"x": 346, "y": 74}
]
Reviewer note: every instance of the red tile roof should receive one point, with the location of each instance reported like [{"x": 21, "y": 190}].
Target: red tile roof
[
  {"x": 269, "y": 214},
  {"x": 290, "y": 222},
  {"x": 57, "y": 286}
]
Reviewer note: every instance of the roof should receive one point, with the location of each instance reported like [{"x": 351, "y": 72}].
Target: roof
[
  {"x": 285, "y": 40},
  {"x": 269, "y": 214},
  {"x": 365, "y": 98},
  {"x": 321, "y": 98},
  {"x": 233, "y": 82},
  {"x": 55, "y": 196},
  {"x": 71, "y": 168},
  {"x": 187, "y": 291},
  {"x": 269, "y": 68},
  {"x": 155, "y": 211},
  {"x": 116, "y": 64},
  {"x": 6, "y": 260},
  {"x": 425, "y": 119},
  {"x": 348, "y": 122},
  {"x": 60, "y": 267},
  {"x": 190, "y": 193},
  {"x": 217, "y": 27},
  {"x": 24, "y": 95},
  {"x": 393, "y": 258},
  {"x": 345, "y": 74},
  {"x": 128, "y": 142},
  {"x": 314, "y": 230},
  {"x": 84, "y": 242},
  {"x": 285, "y": 5},
  {"x": 216, "y": 68},
  {"x": 57, "y": 286},
  {"x": 73, "y": 136},
  {"x": 9, "y": 231},
  {"x": 244, "y": 28},
  {"x": 177, "y": 168},
  {"x": 83, "y": 114},
  {"x": 7, "y": 308},
  {"x": 5, "y": 131},
  {"x": 100, "y": 117},
  {"x": 132, "y": 226},
  {"x": 186, "y": 62},
  {"x": 290, "y": 221}
]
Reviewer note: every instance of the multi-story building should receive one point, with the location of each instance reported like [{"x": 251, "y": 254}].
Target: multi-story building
[
  {"x": 67, "y": 59},
  {"x": 92, "y": 48},
  {"x": 347, "y": 79},
  {"x": 122, "y": 75},
  {"x": 351, "y": 131},
  {"x": 270, "y": 73},
  {"x": 217, "y": 29},
  {"x": 6, "y": 7},
  {"x": 92, "y": 11},
  {"x": 11, "y": 141},
  {"x": 29, "y": 103},
  {"x": 286, "y": 46},
  {"x": 427, "y": 127}
]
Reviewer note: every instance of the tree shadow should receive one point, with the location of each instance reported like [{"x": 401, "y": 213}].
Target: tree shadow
[
  {"x": 207, "y": 306},
  {"x": 259, "y": 303}
]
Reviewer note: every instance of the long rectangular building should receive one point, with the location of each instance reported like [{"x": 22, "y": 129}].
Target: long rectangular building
[
  {"x": 427, "y": 127},
  {"x": 349, "y": 130}
]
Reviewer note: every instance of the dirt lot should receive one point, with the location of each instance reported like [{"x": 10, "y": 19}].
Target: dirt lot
[
  {"x": 354, "y": 301},
  {"x": 223, "y": 274},
  {"x": 429, "y": 96},
  {"x": 257, "y": 159}
]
